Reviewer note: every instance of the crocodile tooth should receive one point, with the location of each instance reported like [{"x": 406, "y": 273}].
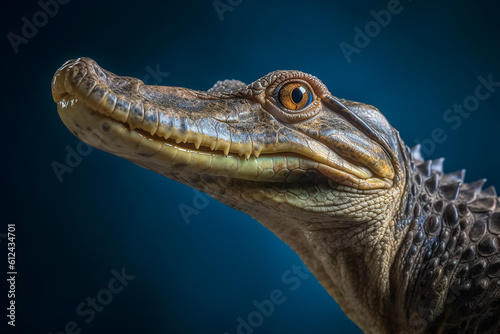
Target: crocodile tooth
[
  {"x": 185, "y": 138},
  {"x": 212, "y": 145},
  {"x": 256, "y": 153},
  {"x": 240, "y": 150},
  {"x": 247, "y": 155},
  {"x": 165, "y": 125},
  {"x": 179, "y": 132},
  {"x": 197, "y": 141},
  {"x": 226, "y": 150},
  {"x": 223, "y": 146},
  {"x": 136, "y": 115},
  {"x": 151, "y": 118}
]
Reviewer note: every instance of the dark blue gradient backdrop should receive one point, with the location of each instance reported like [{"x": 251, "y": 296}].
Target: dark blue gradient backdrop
[{"x": 75, "y": 237}]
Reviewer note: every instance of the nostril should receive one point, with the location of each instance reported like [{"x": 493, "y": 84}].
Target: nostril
[{"x": 92, "y": 67}]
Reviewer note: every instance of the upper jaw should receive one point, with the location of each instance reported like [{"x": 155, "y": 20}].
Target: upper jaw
[
  {"x": 103, "y": 91},
  {"x": 206, "y": 123}
]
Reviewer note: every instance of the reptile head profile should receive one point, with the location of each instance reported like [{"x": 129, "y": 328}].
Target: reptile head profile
[{"x": 326, "y": 175}]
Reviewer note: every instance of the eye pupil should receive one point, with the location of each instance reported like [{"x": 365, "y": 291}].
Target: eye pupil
[
  {"x": 295, "y": 96},
  {"x": 298, "y": 94}
]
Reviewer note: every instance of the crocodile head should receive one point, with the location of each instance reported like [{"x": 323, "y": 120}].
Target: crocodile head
[{"x": 326, "y": 175}]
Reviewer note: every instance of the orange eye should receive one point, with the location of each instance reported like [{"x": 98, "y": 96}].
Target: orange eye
[{"x": 295, "y": 96}]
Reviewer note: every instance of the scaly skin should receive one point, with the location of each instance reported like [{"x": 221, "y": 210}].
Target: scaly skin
[{"x": 396, "y": 242}]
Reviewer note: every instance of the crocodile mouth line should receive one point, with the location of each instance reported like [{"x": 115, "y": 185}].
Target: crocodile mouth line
[
  {"x": 269, "y": 167},
  {"x": 78, "y": 92},
  {"x": 177, "y": 143}
]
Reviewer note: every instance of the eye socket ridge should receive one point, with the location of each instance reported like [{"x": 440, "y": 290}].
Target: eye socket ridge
[{"x": 294, "y": 95}]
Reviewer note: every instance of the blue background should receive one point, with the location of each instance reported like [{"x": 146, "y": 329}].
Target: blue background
[{"x": 109, "y": 214}]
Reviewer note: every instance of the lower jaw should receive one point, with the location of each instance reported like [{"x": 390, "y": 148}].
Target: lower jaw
[{"x": 167, "y": 158}]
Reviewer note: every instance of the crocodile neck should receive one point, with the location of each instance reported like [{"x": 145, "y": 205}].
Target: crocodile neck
[{"x": 399, "y": 244}]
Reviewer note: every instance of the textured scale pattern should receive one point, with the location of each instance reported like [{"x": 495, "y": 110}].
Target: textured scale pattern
[
  {"x": 449, "y": 261},
  {"x": 402, "y": 246}
]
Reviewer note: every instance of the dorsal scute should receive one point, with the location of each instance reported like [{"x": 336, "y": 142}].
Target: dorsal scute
[
  {"x": 450, "y": 191},
  {"x": 416, "y": 154},
  {"x": 456, "y": 176},
  {"x": 437, "y": 165},
  {"x": 489, "y": 192},
  {"x": 475, "y": 186},
  {"x": 425, "y": 168},
  {"x": 451, "y": 186}
]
